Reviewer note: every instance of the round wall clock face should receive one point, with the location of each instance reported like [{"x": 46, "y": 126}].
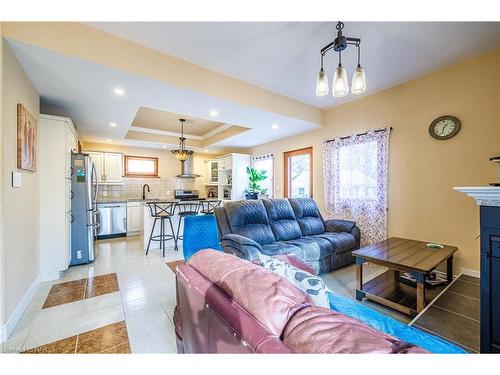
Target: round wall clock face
[{"x": 444, "y": 127}]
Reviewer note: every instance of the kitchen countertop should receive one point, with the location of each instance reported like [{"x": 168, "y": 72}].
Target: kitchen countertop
[
  {"x": 118, "y": 200},
  {"x": 124, "y": 200}
]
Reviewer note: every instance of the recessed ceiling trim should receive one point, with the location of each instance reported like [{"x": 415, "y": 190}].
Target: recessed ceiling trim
[
  {"x": 165, "y": 132},
  {"x": 216, "y": 131},
  {"x": 175, "y": 134}
]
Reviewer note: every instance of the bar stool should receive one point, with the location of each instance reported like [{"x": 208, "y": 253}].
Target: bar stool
[
  {"x": 185, "y": 208},
  {"x": 161, "y": 211},
  {"x": 208, "y": 207}
]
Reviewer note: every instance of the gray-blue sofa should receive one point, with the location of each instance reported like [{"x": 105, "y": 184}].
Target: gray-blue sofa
[{"x": 286, "y": 226}]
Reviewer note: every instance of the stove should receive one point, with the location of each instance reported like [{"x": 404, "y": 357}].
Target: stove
[{"x": 186, "y": 195}]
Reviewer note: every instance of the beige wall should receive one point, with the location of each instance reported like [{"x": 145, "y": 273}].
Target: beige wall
[
  {"x": 422, "y": 170},
  {"x": 168, "y": 165},
  {"x": 19, "y": 207}
]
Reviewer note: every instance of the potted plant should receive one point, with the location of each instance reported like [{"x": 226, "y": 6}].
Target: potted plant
[
  {"x": 263, "y": 194},
  {"x": 254, "y": 177}
]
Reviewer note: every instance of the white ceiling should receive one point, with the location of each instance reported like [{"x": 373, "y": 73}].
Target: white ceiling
[
  {"x": 284, "y": 56},
  {"x": 84, "y": 91}
]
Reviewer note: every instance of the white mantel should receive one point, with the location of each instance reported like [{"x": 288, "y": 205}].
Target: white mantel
[{"x": 484, "y": 195}]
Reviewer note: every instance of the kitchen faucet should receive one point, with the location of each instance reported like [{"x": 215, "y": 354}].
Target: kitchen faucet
[{"x": 144, "y": 191}]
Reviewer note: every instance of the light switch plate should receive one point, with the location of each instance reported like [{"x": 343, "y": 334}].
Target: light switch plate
[{"x": 17, "y": 181}]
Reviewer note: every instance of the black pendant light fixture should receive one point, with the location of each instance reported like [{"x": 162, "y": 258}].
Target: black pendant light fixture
[
  {"x": 182, "y": 154},
  {"x": 340, "y": 84}
]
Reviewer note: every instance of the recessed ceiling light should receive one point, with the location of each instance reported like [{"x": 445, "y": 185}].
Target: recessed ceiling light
[
  {"x": 112, "y": 124},
  {"x": 108, "y": 140},
  {"x": 214, "y": 112},
  {"x": 275, "y": 126},
  {"x": 118, "y": 91},
  {"x": 164, "y": 146}
]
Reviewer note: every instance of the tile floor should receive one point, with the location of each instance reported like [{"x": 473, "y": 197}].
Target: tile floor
[
  {"x": 455, "y": 315},
  {"x": 142, "y": 302},
  {"x": 142, "y": 307}
]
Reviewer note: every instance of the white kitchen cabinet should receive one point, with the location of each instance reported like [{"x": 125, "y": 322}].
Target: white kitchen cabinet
[
  {"x": 67, "y": 237},
  {"x": 225, "y": 162},
  {"x": 57, "y": 139},
  {"x": 113, "y": 167},
  {"x": 71, "y": 144},
  {"x": 134, "y": 217},
  {"x": 232, "y": 176},
  {"x": 98, "y": 160},
  {"x": 109, "y": 166},
  {"x": 67, "y": 195},
  {"x": 212, "y": 172}
]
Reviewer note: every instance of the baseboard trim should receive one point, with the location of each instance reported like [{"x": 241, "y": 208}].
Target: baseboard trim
[
  {"x": 7, "y": 329},
  {"x": 51, "y": 276},
  {"x": 472, "y": 273}
]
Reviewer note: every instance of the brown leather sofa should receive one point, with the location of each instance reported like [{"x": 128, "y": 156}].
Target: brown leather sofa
[{"x": 229, "y": 305}]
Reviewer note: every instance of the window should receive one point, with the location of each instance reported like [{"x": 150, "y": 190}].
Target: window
[
  {"x": 141, "y": 166},
  {"x": 298, "y": 173},
  {"x": 355, "y": 170},
  {"x": 265, "y": 163},
  {"x": 358, "y": 171}
]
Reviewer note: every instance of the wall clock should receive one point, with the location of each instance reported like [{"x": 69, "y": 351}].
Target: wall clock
[{"x": 444, "y": 127}]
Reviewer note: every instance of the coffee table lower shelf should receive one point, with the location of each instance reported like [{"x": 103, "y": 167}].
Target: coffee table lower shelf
[{"x": 387, "y": 290}]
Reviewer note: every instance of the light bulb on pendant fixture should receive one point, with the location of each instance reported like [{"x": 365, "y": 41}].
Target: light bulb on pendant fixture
[
  {"x": 358, "y": 79},
  {"x": 340, "y": 83},
  {"x": 322, "y": 87}
]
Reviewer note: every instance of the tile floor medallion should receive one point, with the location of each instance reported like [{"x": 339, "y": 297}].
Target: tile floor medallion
[
  {"x": 122, "y": 302},
  {"x": 77, "y": 290},
  {"x": 110, "y": 339}
]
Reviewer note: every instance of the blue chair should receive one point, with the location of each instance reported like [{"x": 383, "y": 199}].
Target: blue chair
[{"x": 200, "y": 232}]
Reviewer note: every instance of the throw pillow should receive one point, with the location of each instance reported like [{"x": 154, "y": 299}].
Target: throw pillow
[{"x": 308, "y": 283}]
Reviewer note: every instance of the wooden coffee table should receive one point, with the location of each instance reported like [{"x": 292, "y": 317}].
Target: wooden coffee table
[{"x": 401, "y": 255}]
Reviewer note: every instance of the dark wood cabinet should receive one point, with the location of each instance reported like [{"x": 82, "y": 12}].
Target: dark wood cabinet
[{"x": 490, "y": 279}]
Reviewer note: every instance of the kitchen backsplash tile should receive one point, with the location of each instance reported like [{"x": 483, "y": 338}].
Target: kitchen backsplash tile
[{"x": 160, "y": 188}]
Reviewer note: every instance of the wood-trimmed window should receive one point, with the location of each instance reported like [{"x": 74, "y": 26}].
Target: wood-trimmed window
[
  {"x": 298, "y": 173},
  {"x": 141, "y": 166}
]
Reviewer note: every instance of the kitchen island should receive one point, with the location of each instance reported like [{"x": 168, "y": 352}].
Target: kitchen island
[
  {"x": 148, "y": 223},
  {"x": 140, "y": 222}
]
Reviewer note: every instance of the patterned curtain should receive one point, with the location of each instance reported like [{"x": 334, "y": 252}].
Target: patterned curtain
[{"x": 355, "y": 177}]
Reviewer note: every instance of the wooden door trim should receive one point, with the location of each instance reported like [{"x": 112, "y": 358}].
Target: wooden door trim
[{"x": 300, "y": 151}]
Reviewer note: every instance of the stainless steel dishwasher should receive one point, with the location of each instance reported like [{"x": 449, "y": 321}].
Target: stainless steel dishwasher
[{"x": 112, "y": 220}]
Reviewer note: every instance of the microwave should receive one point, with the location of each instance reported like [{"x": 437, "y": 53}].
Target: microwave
[{"x": 226, "y": 193}]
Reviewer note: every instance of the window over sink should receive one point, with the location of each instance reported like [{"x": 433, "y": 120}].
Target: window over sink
[{"x": 141, "y": 166}]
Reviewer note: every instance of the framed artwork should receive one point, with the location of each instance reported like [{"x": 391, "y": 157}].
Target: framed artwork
[{"x": 26, "y": 139}]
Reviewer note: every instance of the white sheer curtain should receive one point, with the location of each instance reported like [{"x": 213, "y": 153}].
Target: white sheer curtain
[
  {"x": 355, "y": 178},
  {"x": 266, "y": 163}
]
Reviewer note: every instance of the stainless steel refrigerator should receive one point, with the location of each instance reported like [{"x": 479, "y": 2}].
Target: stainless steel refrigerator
[{"x": 84, "y": 187}]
